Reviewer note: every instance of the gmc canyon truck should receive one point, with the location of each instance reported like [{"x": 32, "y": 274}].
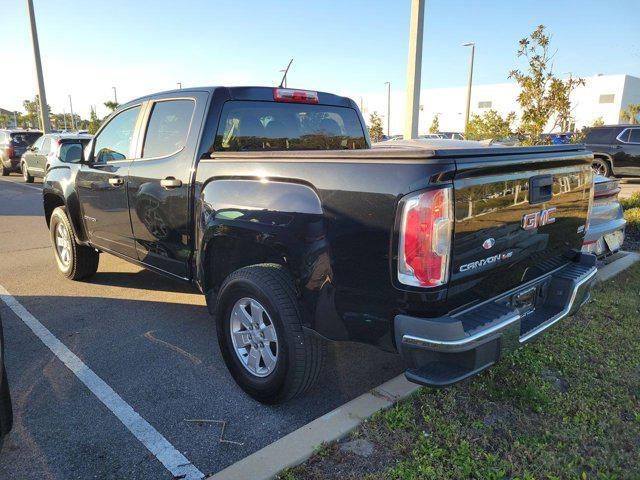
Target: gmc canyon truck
[{"x": 273, "y": 203}]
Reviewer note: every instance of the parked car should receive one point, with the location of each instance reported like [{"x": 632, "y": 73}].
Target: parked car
[
  {"x": 452, "y": 135},
  {"x": 605, "y": 234},
  {"x": 273, "y": 204},
  {"x": 616, "y": 149},
  {"x": 51, "y": 150},
  {"x": 13, "y": 143},
  {"x": 430, "y": 136},
  {"x": 6, "y": 413}
]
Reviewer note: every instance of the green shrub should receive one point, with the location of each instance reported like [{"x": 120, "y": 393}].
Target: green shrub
[
  {"x": 633, "y": 218},
  {"x": 632, "y": 202}
]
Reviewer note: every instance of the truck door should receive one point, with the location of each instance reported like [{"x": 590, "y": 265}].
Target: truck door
[
  {"x": 102, "y": 185},
  {"x": 160, "y": 178}
]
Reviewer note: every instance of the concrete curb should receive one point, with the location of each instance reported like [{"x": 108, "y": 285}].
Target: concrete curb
[
  {"x": 298, "y": 446},
  {"x": 609, "y": 271}
]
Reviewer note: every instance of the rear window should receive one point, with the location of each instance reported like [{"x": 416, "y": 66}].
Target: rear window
[
  {"x": 256, "y": 126},
  {"x": 25, "y": 138},
  {"x": 599, "y": 135}
]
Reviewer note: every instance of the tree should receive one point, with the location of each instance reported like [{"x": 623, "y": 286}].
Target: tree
[
  {"x": 490, "y": 126},
  {"x": 111, "y": 105},
  {"x": 94, "y": 122},
  {"x": 375, "y": 127},
  {"x": 542, "y": 95},
  {"x": 629, "y": 115},
  {"x": 435, "y": 125},
  {"x": 5, "y": 120},
  {"x": 32, "y": 108}
]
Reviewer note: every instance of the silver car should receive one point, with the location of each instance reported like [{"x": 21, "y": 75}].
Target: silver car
[
  {"x": 50, "y": 150},
  {"x": 605, "y": 233}
]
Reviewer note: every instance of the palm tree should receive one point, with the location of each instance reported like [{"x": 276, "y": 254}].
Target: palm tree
[
  {"x": 630, "y": 113},
  {"x": 111, "y": 105}
]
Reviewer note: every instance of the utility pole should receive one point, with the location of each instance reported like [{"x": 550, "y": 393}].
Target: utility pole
[
  {"x": 115, "y": 95},
  {"x": 466, "y": 116},
  {"x": 414, "y": 69},
  {"x": 73, "y": 120},
  {"x": 44, "y": 112},
  {"x": 388, "y": 84}
]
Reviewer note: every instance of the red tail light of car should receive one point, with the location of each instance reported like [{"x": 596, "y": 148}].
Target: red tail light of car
[
  {"x": 11, "y": 151},
  {"x": 426, "y": 229}
]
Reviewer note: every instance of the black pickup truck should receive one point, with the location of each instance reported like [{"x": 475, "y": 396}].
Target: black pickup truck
[{"x": 275, "y": 205}]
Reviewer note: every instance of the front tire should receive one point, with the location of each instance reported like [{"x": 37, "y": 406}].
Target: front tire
[
  {"x": 25, "y": 173},
  {"x": 260, "y": 335},
  {"x": 74, "y": 261}
]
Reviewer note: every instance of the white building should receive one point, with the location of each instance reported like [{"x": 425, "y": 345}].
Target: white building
[{"x": 604, "y": 96}]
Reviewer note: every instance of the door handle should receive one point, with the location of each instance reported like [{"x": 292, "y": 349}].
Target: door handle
[
  {"x": 170, "y": 182},
  {"x": 116, "y": 181}
]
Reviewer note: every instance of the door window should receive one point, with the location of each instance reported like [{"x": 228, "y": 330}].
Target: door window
[
  {"x": 113, "y": 143},
  {"x": 46, "y": 146},
  {"x": 168, "y": 128},
  {"x": 38, "y": 144},
  {"x": 634, "y": 137}
]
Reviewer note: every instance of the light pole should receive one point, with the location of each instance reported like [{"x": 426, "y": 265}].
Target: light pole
[
  {"x": 115, "y": 95},
  {"x": 180, "y": 85},
  {"x": 466, "y": 116},
  {"x": 44, "y": 112},
  {"x": 388, "y": 84},
  {"x": 64, "y": 118},
  {"x": 73, "y": 120},
  {"x": 414, "y": 69}
]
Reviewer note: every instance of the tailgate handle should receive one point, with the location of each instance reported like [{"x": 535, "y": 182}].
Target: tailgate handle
[{"x": 540, "y": 188}]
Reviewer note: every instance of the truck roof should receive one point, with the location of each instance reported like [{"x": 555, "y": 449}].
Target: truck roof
[{"x": 252, "y": 93}]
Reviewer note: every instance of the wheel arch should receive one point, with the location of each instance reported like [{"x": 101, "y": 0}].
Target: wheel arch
[{"x": 605, "y": 157}]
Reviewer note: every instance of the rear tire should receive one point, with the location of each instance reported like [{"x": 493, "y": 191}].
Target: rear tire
[
  {"x": 299, "y": 356},
  {"x": 25, "y": 173},
  {"x": 601, "y": 166},
  {"x": 74, "y": 261},
  {"x": 5, "y": 170}
]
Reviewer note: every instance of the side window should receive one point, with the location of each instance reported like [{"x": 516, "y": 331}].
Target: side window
[
  {"x": 46, "y": 146},
  {"x": 634, "y": 137},
  {"x": 114, "y": 141},
  {"x": 38, "y": 144},
  {"x": 168, "y": 128}
]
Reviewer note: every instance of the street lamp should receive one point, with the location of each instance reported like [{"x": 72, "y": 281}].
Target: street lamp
[
  {"x": 180, "y": 85},
  {"x": 466, "y": 117},
  {"x": 388, "y": 84},
  {"x": 115, "y": 95}
]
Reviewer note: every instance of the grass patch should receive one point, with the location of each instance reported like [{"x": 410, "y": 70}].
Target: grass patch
[{"x": 564, "y": 406}]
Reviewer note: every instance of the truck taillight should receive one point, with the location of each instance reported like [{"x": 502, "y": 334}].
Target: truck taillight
[
  {"x": 11, "y": 151},
  {"x": 591, "y": 200},
  {"x": 298, "y": 96},
  {"x": 425, "y": 238}
]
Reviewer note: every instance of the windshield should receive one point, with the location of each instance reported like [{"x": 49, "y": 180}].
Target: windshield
[
  {"x": 247, "y": 126},
  {"x": 25, "y": 138}
]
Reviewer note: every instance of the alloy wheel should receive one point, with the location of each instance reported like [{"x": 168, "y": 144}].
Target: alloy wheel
[
  {"x": 254, "y": 337},
  {"x": 63, "y": 245}
]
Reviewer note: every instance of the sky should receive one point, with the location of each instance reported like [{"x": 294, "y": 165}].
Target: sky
[{"x": 348, "y": 47}]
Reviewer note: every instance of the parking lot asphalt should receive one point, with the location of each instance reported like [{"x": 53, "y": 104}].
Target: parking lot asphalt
[
  {"x": 628, "y": 186},
  {"x": 153, "y": 342}
]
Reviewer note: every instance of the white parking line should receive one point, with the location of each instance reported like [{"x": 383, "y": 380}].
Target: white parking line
[
  {"x": 22, "y": 184},
  {"x": 153, "y": 440}
]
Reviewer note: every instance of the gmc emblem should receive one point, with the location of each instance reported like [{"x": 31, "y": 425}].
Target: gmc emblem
[{"x": 538, "y": 219}]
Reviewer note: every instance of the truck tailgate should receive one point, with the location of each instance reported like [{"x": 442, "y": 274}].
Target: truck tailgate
[{"x": 517, "y": 217}]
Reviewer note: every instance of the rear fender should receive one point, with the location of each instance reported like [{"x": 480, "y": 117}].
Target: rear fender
[{"x": 244, "y": 221}]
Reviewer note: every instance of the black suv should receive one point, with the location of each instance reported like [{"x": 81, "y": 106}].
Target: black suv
[
  {"x": 616, "y": 149},
  {"x": 13, "y": 143}
]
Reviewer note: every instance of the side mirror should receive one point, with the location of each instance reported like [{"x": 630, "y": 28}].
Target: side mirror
[{"x": 71, "y": 152}]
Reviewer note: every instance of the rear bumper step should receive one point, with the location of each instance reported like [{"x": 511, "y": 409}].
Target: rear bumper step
[{"x": 444, "y": 350}]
